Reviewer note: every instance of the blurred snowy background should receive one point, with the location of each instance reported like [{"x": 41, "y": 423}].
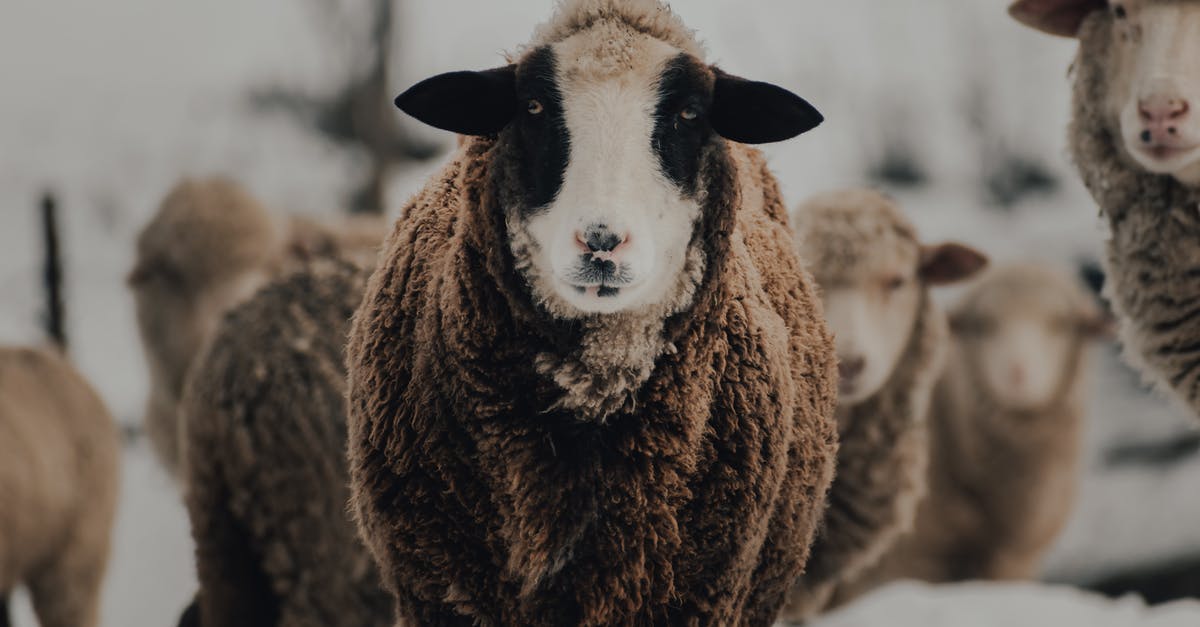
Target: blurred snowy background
[{"x": 945, "y": 103}]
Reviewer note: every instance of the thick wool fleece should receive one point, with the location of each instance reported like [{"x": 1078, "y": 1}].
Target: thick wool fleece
[
  {"x": 266, "y": 483},
  {"x": 59, "y": 478},
  {"x": 1153, "y": 253},
  {"x": 1001, "y": 481},
  {"x": 488, "y": 500},
  {"x": 210, "y": 246},
  {"x": 883, "y": 440}
]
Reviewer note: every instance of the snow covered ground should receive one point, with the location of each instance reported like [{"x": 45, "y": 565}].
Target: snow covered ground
[{"x": 108, "y": 103}]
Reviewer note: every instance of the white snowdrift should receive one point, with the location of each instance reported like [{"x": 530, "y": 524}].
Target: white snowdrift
[{"x": 1005, "y": 605}]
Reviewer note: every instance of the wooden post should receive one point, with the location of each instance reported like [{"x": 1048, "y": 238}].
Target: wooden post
[{"x": 52, "y": 274}]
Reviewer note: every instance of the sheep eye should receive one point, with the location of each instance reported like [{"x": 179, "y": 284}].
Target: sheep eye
[
  {"x": 1120, "y": 12},
  {"x": 689, "y": 114},
  {"x": 894, "y": 283},
  {"x": 535, "y": 107}
]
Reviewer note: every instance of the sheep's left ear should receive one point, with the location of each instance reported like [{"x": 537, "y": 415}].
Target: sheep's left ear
[
  {"x": 468, "y": 103},
  {"x": 950, "y": 263},
  {"x": 1057, "y": 17},
  {"x": 751, "y": 112}
]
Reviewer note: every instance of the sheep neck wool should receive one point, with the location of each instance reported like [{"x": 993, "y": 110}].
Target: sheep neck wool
[{"x": 1152, "y": 256}]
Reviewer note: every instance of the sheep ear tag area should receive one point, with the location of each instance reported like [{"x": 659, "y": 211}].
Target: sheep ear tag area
[
  {"x": 751, "y": 112},
  {"x": 950, "y": 263},
  {"x": 1057, "y": 17},
  {"x": 469, "y": 103}
]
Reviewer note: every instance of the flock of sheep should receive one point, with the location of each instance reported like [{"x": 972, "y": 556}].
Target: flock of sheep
[{"x": 597, "y": 374}]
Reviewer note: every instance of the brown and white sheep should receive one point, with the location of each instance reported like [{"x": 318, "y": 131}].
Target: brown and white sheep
[
  {"x": 211, "y": 246},
  {"x": 264, "y": 416},
  {"x": 590, "y": 382},
  {"x": 1135, "y": 137},
  {"x": 59, "y": 478},
  {"x": 1004, "y": 430},
  {"x": 875, "y": 278}
]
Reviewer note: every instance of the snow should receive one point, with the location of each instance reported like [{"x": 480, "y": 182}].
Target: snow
[
  {"x": 109, "y": 103},
  {"x": 1004, "y": 605}
]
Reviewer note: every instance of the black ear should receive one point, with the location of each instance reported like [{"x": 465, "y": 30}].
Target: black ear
[
  {"x": 470, "y": 103},
  {"x": 751, "y": 112}
]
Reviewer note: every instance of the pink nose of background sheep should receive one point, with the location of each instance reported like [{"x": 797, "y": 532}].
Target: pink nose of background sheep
[{"x": 1161, "y": 113}]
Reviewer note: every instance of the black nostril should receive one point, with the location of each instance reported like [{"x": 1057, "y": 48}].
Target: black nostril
[
  {"x": 1173, "y": 131},
  {"x": 1147, "y": 136},
  {"x": 600, "y": 239}
]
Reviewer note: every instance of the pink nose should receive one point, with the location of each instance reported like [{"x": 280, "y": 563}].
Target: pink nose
[{"x": 1161, "y": 115}]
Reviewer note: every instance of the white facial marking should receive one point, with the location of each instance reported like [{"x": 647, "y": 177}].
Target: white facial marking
[
  {"x": 613, "y": 195},
  {"x": 871, "y": 324},
  {"x": 1156, "y": 85}
]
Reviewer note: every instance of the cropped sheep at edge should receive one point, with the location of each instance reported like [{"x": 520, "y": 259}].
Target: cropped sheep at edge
[{"x": 59, "y": 481}]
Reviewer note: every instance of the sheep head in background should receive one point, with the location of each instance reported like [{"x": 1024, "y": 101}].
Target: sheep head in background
[
  {"x": 873, "y": 274},
  {"x": 210, "y": 246},
  {"x": 1152, "y": 73},
  {"x": 1023, "y": 330},
  {"x": 606, "y": 130}
]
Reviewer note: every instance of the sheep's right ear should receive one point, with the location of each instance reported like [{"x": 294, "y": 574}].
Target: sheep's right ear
[
  {"x": 469, "y": 103},
  {"x": 950, "y": 263},
  {"x": 1057, "y": 17}
]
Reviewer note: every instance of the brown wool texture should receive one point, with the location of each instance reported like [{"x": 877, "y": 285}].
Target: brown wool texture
[
  {"x": 59, "y": 482},
  {"x": 883, "y": 441},
  {"x": 1153, "y": 252},
  {"x": 486, "y": 500},
  {"x": 266, "y": 483},
  {"x": 210, "y": 246}
]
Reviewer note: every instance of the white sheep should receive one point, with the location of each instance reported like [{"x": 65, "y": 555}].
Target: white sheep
[
  {"x": 875, "y": 278},
  {"x": 59, "y": 478},
  {"x": 1135, "y": 137},
  {"x": 1004, "y": 429},
  {"x": 210, "y": 246},
  {"x": 590, "y": 382}
]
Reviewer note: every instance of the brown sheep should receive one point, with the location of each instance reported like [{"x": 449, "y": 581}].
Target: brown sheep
[
  {"x": 1005, "y": 430},
  {"x": 211, "y": 246},
  {"x": 266, "y": 484},
  {"x": 59, "y": 478},
  {"x": 1135, "y": 138},
  {"x": 875, "y": 278},
  {"x": 590, "y": 381}
]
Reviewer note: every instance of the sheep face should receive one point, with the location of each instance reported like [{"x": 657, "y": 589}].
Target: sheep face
[
  {"x": 601, "y": 138},
  {"x": 1024, "y": 330},
  {"x": 873, "y": 274},
  {"x": 1152, "y": 74}
]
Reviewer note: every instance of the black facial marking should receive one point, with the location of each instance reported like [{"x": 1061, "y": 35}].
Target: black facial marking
[
  {"x": 606, "y": 292},
  {"x": 540, "y": 132},
  {"x": 681, "y": 126}
]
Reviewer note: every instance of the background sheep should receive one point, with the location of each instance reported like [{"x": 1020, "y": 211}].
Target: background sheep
[
  {"x": 874, "y": 277},
  {"x": 1135, "y": 137},
  {"x": 1004, "y": 429},
  {"x": 210, "y": 246},
  {"x": 265, "y": 416},
  {"x": 59, "y": 472},
  {"x": 590, "y": 383}
]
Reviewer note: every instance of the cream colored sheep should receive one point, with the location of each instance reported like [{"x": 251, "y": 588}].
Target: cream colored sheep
[
  {"x": 1004, "y": 430},
  {"x": 211, "y": 246},
  {"x": 59, "y": 477},
  {"x": 875, "y": 278},
  {"x": 1135, "y": 137}
]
